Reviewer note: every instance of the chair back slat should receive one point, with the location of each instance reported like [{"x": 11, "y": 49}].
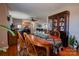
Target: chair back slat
[
  {"x": 30, "y": 47},
  {"x": 20, "y": 40}
]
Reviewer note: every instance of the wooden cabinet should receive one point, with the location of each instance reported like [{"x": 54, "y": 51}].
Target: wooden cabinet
[
  {"x": 61, "y": 22},
  {"x": 12, "y": 40}
]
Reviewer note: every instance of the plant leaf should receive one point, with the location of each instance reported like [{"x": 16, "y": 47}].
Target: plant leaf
[{"x": 8, "y": 29}]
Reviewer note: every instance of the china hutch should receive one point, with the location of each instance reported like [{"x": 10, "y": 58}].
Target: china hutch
[{"x": 61, "y": 22}]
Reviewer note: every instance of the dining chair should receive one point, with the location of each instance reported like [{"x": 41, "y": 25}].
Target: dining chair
[
  {"x": 57, "y": 42},
  {"x": 21, "y": 43},
  {"x": 31, "y": 50}
]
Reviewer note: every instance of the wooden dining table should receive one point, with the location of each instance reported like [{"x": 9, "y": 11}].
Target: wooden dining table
[{"x": 41, "y": 43}]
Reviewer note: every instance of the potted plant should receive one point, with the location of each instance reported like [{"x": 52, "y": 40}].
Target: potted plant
[
  {"x": 72, "y": 42},
  {"x": 8, "y": 29}
]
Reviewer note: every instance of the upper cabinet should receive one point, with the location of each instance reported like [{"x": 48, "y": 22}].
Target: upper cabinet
[{"x": 60, "y": 21}]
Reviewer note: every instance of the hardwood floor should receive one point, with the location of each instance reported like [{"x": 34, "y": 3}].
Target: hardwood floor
[
  {"x": 69, "y": 52},
  {"x": 12, "y": 51}
]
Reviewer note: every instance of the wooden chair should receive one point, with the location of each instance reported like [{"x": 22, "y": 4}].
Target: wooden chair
[
  {"x": 55, "y": 33},
  {"x": 21, "y": 42},
  {"x": 31, "y": 50},
  {"x": 56, "y": 37}
]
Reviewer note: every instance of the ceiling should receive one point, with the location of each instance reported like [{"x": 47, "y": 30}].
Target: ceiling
[{"x": 38, "y": 10}]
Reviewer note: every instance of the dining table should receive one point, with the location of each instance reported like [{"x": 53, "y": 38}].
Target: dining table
[{"x": 41, "y": 42}]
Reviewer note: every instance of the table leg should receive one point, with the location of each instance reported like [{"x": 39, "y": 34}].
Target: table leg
[{"x": 48, "y": 51}]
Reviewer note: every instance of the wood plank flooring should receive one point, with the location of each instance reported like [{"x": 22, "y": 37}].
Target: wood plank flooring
[
  {"x": 12, "y": 51},
  {"x": 69, "y": 52}
]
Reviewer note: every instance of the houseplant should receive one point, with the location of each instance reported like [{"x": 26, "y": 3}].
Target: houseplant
[
  {"x": 72, "y": 42},
  {"x": 8, "y": 29}
]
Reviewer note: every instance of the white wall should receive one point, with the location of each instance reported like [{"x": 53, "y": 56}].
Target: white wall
[{"x": 74, "y": 19}]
